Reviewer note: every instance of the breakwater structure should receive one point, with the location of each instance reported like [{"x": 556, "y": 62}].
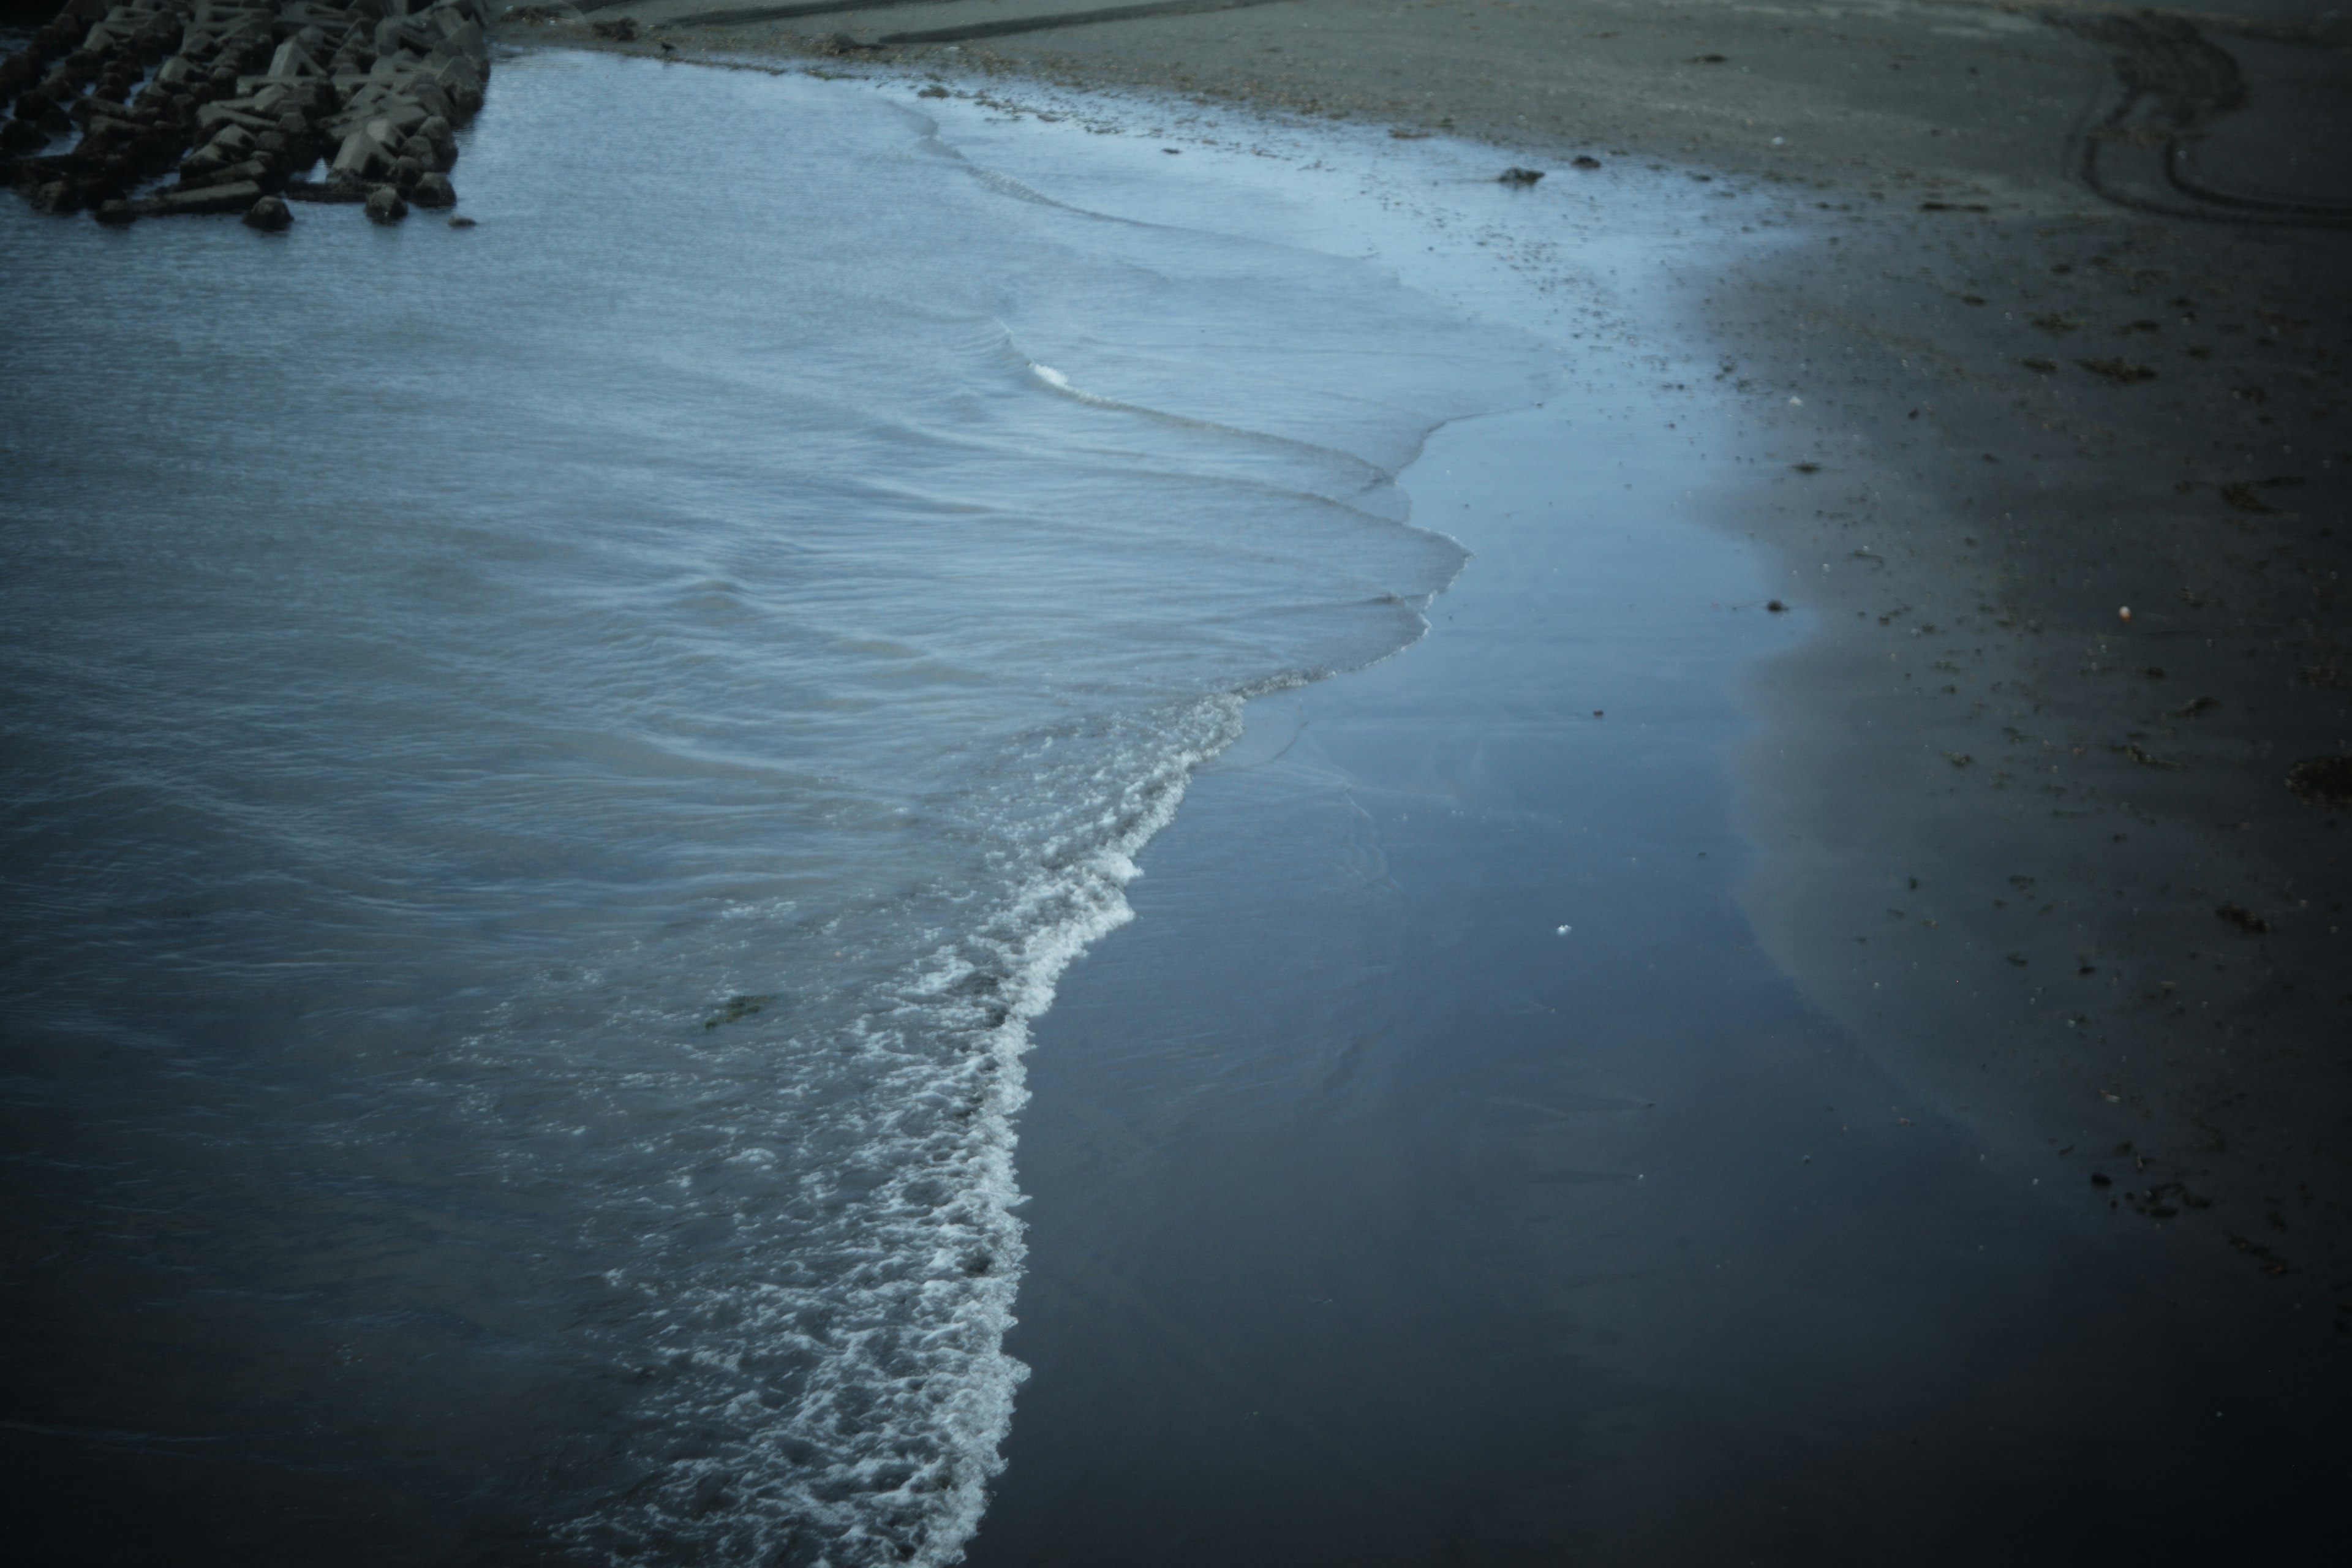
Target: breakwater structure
[{"x": 162, "y": 107}]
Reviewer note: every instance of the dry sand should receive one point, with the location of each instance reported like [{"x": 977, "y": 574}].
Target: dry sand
[{"x": 2015, "y": 376}]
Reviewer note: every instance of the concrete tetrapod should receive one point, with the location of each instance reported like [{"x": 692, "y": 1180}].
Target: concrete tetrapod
[{"x": 237, "y": 92}]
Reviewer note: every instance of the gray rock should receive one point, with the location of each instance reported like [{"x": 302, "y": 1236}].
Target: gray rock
[
  {"x": 444, "y": 143},
  {"x": 467, "y": 38},
  {"x": 434, "y": 190},
  {"x": 211, "y": 116},
  {"x": 402, "y": 33},
  {"x": 293, "y": 60},
  {"x": 251, "y": 170},
  {"x": 336, "y": 189},
  {"x": 385, "y": 206},
  {"x": 87, "y": 109},
  {"x": 391, "y": 120},
  {"x": 234, "y": 198},
  {"x": 268, "y": 215},
  {"x": 457, "y": 76},
  {"x": 362, "y": 153}
]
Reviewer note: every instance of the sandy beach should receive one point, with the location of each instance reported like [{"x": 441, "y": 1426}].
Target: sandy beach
[
  {"x": 1804, "y": 1020},
  {"x": 2015, "y": 382},
  {"x": 2038, "y": 370}
]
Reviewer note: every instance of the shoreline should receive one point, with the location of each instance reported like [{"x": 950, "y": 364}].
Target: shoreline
[
  {"x": 1164, "y": 1229},
  {"x": 2022, "y": 409},
  {"x": 1373, "y": 1217},
  {"x": 1476, "y": 1143}
]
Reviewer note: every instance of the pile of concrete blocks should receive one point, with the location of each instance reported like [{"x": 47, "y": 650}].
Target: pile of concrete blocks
[{"x": 241, "y": 100}]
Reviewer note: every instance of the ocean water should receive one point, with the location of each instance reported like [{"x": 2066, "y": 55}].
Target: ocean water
[{"x": 550, "y": 767}]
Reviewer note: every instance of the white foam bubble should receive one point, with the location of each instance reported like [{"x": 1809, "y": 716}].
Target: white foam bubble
[{"x": 897, "y": 1312}]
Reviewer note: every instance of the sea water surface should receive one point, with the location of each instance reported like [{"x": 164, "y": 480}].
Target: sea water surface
[{"x": 547, "y": 769}]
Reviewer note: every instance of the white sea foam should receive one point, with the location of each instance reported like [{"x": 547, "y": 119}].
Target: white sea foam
[{"x": 886, "y": 1452}]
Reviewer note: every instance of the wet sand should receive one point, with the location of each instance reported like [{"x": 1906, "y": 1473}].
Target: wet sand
[
  {"x": 2020, "y": 875},
  {"x": 1378, "y": 1219},
  {"x": 1932, "y": 1139},
  {"x": 2040, "y": 384}
]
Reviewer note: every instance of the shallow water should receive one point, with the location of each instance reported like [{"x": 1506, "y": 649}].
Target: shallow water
[
  {"x": 552, "y": 769},
  {"x": 1486, "y": 1194},
  {"x": 1489, "y": 1196},
  {"x": 550, "y": 766}
]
